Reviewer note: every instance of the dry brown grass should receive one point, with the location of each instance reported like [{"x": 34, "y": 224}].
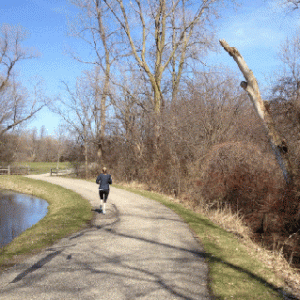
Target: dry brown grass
[{"x": 275, "y": 260}]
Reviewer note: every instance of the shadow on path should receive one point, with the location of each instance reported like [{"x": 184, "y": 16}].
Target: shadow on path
[{"x": 37, "y": 265}]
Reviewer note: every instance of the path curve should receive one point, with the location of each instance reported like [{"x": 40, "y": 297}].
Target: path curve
[{"x": 139, "y": 250}]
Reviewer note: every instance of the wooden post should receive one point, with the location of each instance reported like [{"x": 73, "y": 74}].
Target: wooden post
[
  {"x": 278, "y": 144},
  {"x": 8, "y": 170}
]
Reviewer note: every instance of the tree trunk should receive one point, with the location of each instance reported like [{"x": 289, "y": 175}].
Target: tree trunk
[
  {"x": 86, "y": 159},
  {"x": 278, "y": 144},
  {"x": 105, "y": 92}
]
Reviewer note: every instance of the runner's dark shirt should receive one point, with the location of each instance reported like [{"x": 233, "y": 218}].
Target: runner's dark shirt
[{"x": 104, "y": 180}]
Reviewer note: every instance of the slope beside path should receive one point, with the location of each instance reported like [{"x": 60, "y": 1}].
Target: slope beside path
[{"x": 139, "y": 250}]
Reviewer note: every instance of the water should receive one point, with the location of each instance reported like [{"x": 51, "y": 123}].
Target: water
[{"x": 18, "y": 212}]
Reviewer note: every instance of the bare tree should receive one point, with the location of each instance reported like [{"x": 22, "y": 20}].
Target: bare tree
[
  {"x": 12, "y": 51},
  {"x": 287, "y": 83},
  {"x": 92, "y": 25},
  {"x": 161, "y": 33},
  {"x": 159, "y": 38},
  {"x": 17, "y": 105},
  {"x": 131, "y": 104},
  {"x": 60, "y": 143},
  {"x": 278, "y": 144},
  {"x": 209, "y": 107},
  {"x": 290, "y": 4},
  {"x": 80, "y": 110}
]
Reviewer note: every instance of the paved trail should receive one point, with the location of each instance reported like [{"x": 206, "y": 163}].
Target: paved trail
[{"x": 138, "y": 250}]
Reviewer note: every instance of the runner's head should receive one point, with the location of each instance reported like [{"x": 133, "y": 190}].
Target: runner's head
[{"x": 104, "y": 170}]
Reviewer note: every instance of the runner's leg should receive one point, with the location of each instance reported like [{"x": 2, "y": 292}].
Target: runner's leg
[
  {"x": 101, "y": 200},
  {"x": 104, "y": 199},
  {"x": 105, "y": 196}
]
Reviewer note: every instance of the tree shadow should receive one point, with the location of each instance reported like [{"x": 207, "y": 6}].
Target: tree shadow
[{"x": 128, "y": 268}]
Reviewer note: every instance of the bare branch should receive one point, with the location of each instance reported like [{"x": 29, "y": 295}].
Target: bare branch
[
  {"x": 278, "y": 144},
  {"x": 11, "y": 51}
]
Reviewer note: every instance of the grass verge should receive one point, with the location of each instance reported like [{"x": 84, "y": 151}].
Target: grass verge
[
  {"x": 234, "y": 274},
  {"x": 67, "y": 213}
]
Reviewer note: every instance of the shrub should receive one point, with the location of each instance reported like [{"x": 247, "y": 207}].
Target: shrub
[{"x": 239, "y": 174}]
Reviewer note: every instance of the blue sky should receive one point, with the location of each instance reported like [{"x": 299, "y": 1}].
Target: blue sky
[{"x": 256, "y": 28}]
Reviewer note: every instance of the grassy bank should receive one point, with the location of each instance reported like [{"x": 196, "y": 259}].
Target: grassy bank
[
  {"x": 234, "y": 274},
  {"x": 67, "y": 213}
]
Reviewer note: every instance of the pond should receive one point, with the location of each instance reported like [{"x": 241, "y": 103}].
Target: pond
[{"x": 18, "y": 212}]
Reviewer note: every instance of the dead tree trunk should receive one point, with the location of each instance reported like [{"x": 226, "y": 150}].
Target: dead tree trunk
[{"x": 278, "y": 144}]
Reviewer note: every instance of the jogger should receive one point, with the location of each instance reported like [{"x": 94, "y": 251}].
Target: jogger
[{"x": 104, "y": 180}]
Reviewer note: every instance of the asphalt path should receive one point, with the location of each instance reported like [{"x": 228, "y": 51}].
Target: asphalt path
[{"x": 139, "y": 250}]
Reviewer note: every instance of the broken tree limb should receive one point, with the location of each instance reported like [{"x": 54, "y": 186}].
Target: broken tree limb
[{"x": 278, "y": 144}]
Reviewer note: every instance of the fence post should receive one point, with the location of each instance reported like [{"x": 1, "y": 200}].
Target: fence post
[{"x": 8, "y": 170}]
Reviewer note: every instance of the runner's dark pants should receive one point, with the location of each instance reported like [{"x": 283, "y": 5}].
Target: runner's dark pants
[{"x": 103, "y": 195}]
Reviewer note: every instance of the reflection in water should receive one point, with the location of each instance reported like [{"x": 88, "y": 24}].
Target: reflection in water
[{"x": 18, "y": 212}]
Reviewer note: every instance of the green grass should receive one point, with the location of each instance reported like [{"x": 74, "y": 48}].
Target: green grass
[
  {"x": 234, "y": 274},
  {"x": 42, "y": 167},
  {"x": 67, "y": 213}
]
